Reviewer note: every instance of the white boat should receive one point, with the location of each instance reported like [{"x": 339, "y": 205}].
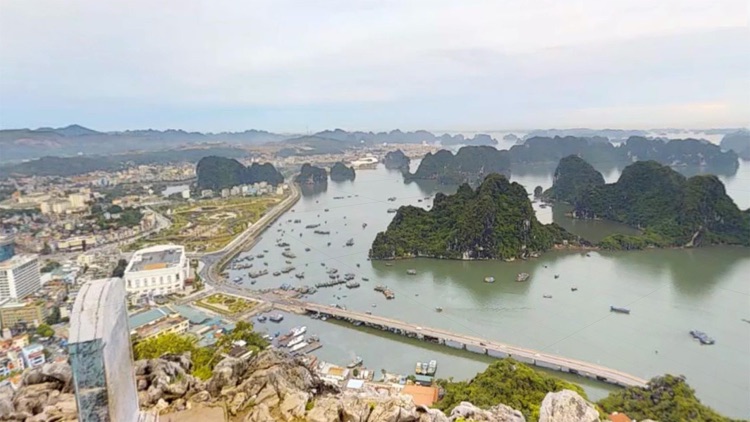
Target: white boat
[
  {"x": 298, "y": 346},
  {"x": 298, "y": 330},
  {"x": 432, "y": 367},
  {"x": 295, "y": 341}
]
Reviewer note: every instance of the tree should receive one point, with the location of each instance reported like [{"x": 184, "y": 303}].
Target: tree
[
  {"x": 54, "y": 316},
  {"x": 50, "y": 266},
  {"x": 119, "y": 270},
  {"x": 243, "y": 331},
  {"x": 355, "y": 372},
  {"x": 45, "y": 330}
]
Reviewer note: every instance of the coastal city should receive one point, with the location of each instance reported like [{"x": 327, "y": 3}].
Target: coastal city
[{"x": 374, "y": 211}]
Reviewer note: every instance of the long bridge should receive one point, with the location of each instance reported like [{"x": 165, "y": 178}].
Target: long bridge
[{"x": 473, "y": 344}]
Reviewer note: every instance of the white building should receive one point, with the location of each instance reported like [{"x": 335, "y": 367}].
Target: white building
[
  {"x": 159, "y": 269},
  {"x": 19, "y": 277}
]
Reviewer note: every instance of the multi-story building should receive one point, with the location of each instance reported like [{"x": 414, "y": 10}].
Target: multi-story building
[
  {"x": 156, "y": 270},
  {"x": 19, "y": 277},
  {"x": 157, "y": 322},
  {"x": 29, "y": 312},
  {"x": 33, "y": 355},
  {"x": 7, "y": 247}
]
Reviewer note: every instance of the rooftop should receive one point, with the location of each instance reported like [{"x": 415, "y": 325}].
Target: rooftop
[
  {"x": 16, "y": 260},
  {"x": 156, "y": 258},
  {"x": 421, "y": 395},
  {"x": 146, "y": 317},
  {"x": 150, "y": 329}
]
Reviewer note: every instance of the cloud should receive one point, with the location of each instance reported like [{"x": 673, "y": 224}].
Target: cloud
[{"x": 509, "y": 62}]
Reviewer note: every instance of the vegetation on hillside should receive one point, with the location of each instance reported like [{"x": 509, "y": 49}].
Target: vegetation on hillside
[
  {"x": 311, "y": 175},
  {"x": 340, "y": 172},
  {"x": 667, "y": 398},
  {"x": 470, "y": 165},
  {"x": 204, "y": 358},
  {"x": 670, "y": 209},
  {"x": 219, "y": 173},
  {"x": 495, "y": 221},
  {"x": 508, "y": 382},
  {"x": 573, "y": 176},
  {"x": 396, "y": 160}
]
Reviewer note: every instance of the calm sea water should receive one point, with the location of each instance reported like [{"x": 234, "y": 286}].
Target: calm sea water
[{"x": 669, "y": 293}]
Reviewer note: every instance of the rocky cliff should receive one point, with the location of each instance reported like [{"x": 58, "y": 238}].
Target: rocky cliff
[{"x": 271, "y": 386}]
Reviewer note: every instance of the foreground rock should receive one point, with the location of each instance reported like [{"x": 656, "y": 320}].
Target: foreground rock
[
  {"x": 567, "y": 406},
  {"x": 46, "y": 394}
]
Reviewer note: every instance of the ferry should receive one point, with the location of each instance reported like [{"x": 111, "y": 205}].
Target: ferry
[
  {"x": 619, "y": 310},
  {"x": 489, "y": 279},
  {"x": 298, "y": 330},
  {"x": 295, "y": 341},
  {"x": 298, "y": 346},
  {"x": 521, "y": 277}
]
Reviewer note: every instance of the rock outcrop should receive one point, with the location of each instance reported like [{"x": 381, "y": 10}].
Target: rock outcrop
[
  {"x": 271, "y": 386},
  {"x": 567, "y": 406}
]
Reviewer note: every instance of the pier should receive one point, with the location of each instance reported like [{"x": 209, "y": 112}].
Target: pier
[{"x": 478, "y": 345}]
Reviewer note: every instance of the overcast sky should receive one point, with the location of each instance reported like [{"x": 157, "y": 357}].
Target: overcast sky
[{"x": 296, "y": 65}]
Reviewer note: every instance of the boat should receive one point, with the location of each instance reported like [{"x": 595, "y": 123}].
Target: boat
[
  {"x": 432, "y": 367},
  {"x": 260, "y": 256},
  {"x": 299, "y": 346},
  {"x": 312, "y": 226},
  {"x": 288, "y": 269},
  {"x": 425, "y": 367},
  {"x": 388, "y": 264},
  {"x": 392, "y": 210},
  {"x": 298, "y": 330},
  {"x": 295, "y": 341},
  {"x": 262, "y": 318},
  {"x": 702, "y": 337},
  {"x": 557, "y": 276},
  {"x": 307, "y": 249},
  {"x": 574, "y": 289},
  {"x": 392, "y": 198},
  {"x": 287, "y": 254},
  {"x": 322, "y": 232},
  {"x": 365, "y": 279},
  {"x": 418, "y": 368},
  {"x": 522, "y": 277},
  {"x": 326, "y": 210},
  {"x": 411, "y": 271},
  {"x": 276, "y": 318},
  {"x": 364, "y": 225},
  {"x": 439, "y": 309},
  {"x": 350, "y": 242},
  {"x": 276, "y": 273},
  {"x": 355, "y": 362},
  {"x": 256, "y": 274},
  {"x": 619, "y": 310},
  {"x": 352, "y": 285},
  {"x": 489, "y": 279},
  {"x": 237, "y": 279},
  {"x": 547, "y": 296}
]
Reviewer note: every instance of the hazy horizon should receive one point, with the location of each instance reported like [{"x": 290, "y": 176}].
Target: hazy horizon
[{"x": 296, "y": 67}]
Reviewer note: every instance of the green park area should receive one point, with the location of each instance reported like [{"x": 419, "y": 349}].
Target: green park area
[
  {"x": 208, "y": 225},
  {"x": 225, "y": 304}
]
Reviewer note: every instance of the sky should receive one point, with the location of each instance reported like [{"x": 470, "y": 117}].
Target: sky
[{"x": 300, "y": 65}]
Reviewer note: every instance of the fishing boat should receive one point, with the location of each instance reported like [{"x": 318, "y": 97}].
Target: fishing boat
[
  {"x": 411, "y": 271},
  {"x": 432, "y": 367},
  {"x": 489, "y": 279},
  {"x": 276, "y": 273},
  {"x": 392, "y": 210},
  {"x": 547, "y": 296},
  {"x": 276, "y": 318},
  {"x": 392, "y": 198},
  {"x": 350, "y": 242},
  {"x": 619, "y": 310},
  {"x": 365, "y": 279},
  {"x": 262, "y": 318},
  {"x": 355, "y": 362},
  {"x": 702, "y": 337},
  {"x": 439, "y": 309},
  {"x": 557, "y": 276},
  {"x": 307, "y": 249},
  {"x": 521, "y": 277},
  {"x": 574, "y": 289}
]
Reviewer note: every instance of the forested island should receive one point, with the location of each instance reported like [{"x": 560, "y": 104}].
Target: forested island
[
  {"x": 670, "y": 209},
  {"x": 495, "y": 221},
  {"x": 396, "y": 160},
  {"x": 218, "y": 173},
  {"x": 470, "y": 165},
  {"x": 340, "y": 172},
  {"x": 738, "y": 142},
  {"x": 677, "y": 153},
  {"x": 311, "y": 175}
]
